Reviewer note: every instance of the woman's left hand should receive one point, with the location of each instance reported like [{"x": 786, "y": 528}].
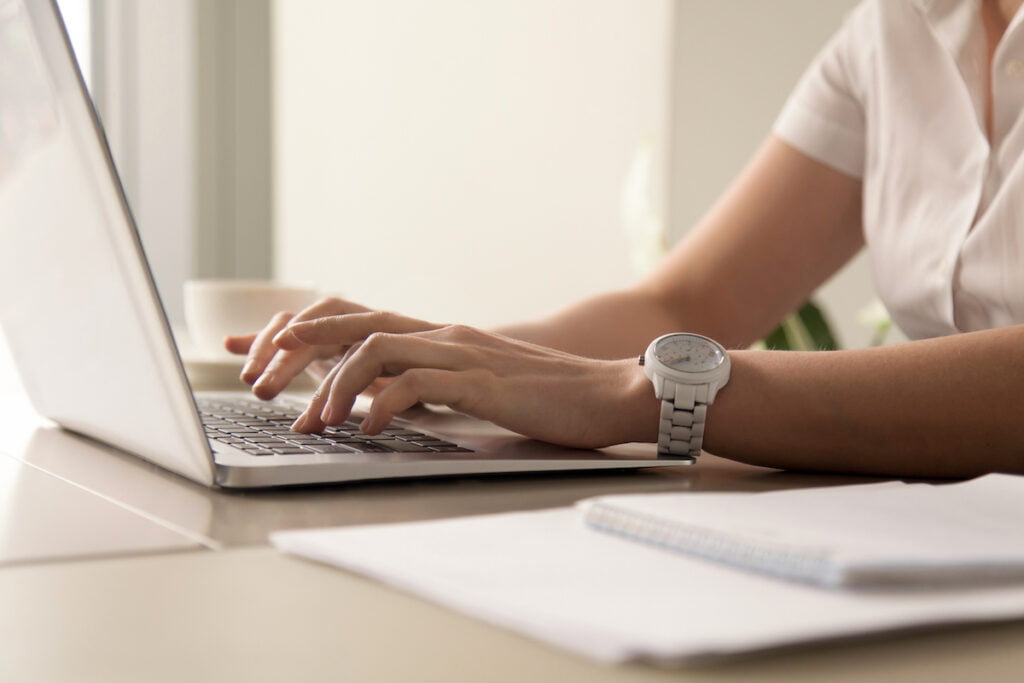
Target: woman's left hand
[{"x": 536, "y": 391}]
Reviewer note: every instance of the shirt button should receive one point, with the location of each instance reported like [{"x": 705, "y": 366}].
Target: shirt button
[{"x": 1015, "y": 68}]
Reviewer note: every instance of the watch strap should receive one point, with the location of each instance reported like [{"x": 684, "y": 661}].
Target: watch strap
[{"x": 683, "y": 412}]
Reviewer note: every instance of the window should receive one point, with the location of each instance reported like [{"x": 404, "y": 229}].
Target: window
[{"x": 77, "y": 20}]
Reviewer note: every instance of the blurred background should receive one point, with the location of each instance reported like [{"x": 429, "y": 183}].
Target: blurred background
[{"x": 456, "y": 160}]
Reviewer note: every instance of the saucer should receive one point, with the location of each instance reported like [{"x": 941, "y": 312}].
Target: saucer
[
  {"x": 214, "y": 372},
  {"x": 206, "y": 369}
]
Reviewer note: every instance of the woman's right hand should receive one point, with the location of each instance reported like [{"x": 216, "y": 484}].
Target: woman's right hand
[{"x": 275, "y": 356}]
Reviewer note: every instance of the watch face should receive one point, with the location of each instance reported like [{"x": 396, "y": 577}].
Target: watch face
[{"x": 689, "y": 353}]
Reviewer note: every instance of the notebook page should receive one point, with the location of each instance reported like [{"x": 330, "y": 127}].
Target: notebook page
[{"x": 860, "y": 535}]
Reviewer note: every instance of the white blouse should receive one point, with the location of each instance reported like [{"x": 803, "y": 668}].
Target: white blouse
[{"x": 897, "y": 98}]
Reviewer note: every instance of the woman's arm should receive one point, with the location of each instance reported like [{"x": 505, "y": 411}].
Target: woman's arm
[
  {"x": 946, "y": 407},
  {"x": 786, "y": 224}
]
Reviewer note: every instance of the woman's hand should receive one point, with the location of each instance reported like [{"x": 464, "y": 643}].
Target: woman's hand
[
  {"x": 276, "y": 356},
  {"x": 535, "y": 391}
]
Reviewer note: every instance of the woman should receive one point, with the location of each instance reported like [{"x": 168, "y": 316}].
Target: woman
[{"x": 906, "y": 134}]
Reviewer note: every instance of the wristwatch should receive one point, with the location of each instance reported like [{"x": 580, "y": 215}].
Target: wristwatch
[{"x": 687, "y": 371}]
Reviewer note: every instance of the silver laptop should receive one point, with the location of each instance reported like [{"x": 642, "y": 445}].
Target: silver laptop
[{"x": 89, "y": 335}]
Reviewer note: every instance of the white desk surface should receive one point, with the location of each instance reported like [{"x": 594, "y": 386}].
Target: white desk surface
[
  {"x": 46, "y": 518},
  {"x": 124, "y": 572}
]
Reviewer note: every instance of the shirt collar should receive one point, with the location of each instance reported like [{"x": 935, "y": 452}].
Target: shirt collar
[{"x": 952, "y": 22}]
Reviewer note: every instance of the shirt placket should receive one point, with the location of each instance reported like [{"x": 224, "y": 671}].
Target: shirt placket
[
  {"x": 957, "y": 25},
  {"x": 1008, "y": 137},
  {"x": 958, "y": 28}
]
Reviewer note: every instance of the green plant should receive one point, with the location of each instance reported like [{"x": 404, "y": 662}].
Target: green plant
[{"x": 805, "y": 330}]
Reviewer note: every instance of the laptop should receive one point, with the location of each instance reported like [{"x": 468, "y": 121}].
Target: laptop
[{"x": 92, "y": 343}]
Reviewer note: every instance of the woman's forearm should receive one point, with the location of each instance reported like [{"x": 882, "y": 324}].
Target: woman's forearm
[
  {"x": 947, "y": 407},
  {"x": 613, "y": 325}
]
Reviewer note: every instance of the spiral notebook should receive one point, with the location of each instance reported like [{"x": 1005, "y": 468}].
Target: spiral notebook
[{"x": 872, "y": 535}]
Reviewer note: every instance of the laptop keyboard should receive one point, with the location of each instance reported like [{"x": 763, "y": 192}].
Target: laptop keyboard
[{"x": 264, "y": 429}]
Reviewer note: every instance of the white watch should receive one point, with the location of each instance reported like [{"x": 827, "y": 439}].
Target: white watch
[{"x": 687, "y": 371}]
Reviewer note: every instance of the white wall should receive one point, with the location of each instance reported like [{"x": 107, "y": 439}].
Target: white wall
[
  {"x": 465, "y": 160},
  {"x": 462, "y": 160}
]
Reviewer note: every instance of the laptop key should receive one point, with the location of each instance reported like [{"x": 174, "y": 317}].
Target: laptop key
[
  {"x": 434, "y": 443},
  {"x": 332, "y": 448},
  {"x": 403, "y": 446},
  {"x": 263, "y": 414},
  {"x": 341, "y": 438},
  {"x": 369, "y": 447},
  {"x": 403, "y": 432}
]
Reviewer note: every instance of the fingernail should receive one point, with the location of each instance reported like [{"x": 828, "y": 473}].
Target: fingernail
[
  {"x": 366, "y": 425},
  {"x": 264, "y": 387},
  {"x": 299, "y": 423},
  {"x": 327, "y": 416},
  {"x": 248, "y": 376}
]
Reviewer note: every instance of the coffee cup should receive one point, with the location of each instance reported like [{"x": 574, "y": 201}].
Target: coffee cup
[{"x": 217, "y": 308}]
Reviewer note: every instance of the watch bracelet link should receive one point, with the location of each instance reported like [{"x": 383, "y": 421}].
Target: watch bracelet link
[{"x": 681, "y": 431}]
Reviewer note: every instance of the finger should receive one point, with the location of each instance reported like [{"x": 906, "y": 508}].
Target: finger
[
  {"x": 239, "y": 344},
  {"x": 388, "y": 354},
  {"x": 459, "y": 390},
  {"x": 348, "y": 329},
  {"x": 324, "y": 308},
  {"x": 281, "y": 370},
  {"x": 309, "y": 421},
  {"x": 377, "y": 385},
  {"x": 262, "y": 349}
]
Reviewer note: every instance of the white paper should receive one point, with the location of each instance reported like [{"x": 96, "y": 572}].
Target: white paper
[{"x": 547, "y": 575}]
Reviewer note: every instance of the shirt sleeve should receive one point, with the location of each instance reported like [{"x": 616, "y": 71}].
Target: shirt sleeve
[{"x": 824, "y": 116}]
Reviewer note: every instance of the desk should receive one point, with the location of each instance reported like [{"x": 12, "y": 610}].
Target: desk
[
  {"x": 193, "y": 593},
  {"x": 254, "y": 615}
]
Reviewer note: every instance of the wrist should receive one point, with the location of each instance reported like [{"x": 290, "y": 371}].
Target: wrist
[
  {"x": 640, "y": 408},
  {"x": 722, "y": 420}
]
